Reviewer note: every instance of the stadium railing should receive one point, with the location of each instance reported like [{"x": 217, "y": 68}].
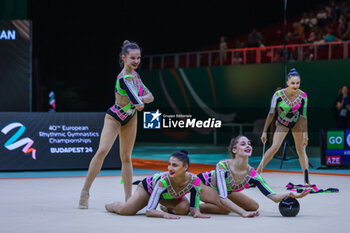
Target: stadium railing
[{"x": 269, "y": 54}]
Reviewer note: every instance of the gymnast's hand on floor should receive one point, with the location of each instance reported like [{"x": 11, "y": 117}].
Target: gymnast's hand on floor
[
  {"x": 170, "y": 216},
  {"x": 198, "y": 214},
  {"x": 250, "y": 214},
  {"x": 301, "y": 195}
]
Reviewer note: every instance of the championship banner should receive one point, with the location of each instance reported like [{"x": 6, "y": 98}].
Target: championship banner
[{"x": 52, "y": 141}]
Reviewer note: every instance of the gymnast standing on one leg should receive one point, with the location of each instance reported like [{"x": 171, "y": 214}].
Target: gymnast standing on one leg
[
  {"x": 169, "y": 189},
  {"x": 290, "y": 105},
  {"x": 121, "y": 119},
  {"x": 222, "y": 193}
]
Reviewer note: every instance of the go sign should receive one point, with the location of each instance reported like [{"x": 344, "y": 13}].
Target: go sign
[{"x": 335, "y": 140}]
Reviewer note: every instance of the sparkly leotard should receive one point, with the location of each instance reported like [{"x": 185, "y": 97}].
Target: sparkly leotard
[
  {"x": 133, "y": 87},
  {"x": 152, "y": 187},
  {"x": 225, "y": 182},
  {"x": 288, "y": 112}
]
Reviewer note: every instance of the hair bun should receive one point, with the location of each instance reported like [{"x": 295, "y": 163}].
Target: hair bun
[
  {"x": 126, "y": 42},
  {"x": 293, "y": 72},
  {"x": 184, "y": 151}
]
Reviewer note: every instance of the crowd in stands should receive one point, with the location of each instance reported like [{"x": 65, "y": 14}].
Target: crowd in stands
[{"x": 327, "y": 23}]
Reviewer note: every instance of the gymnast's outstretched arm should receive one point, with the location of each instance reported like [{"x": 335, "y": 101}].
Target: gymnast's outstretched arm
[
  {"x": 268, "y": 192},
  {"x": 151, "y": 210}
]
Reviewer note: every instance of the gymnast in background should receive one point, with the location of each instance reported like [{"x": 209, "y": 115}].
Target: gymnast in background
[
  {"x": 288, "y": 112},
  {"x": 131, "y": 95}
]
